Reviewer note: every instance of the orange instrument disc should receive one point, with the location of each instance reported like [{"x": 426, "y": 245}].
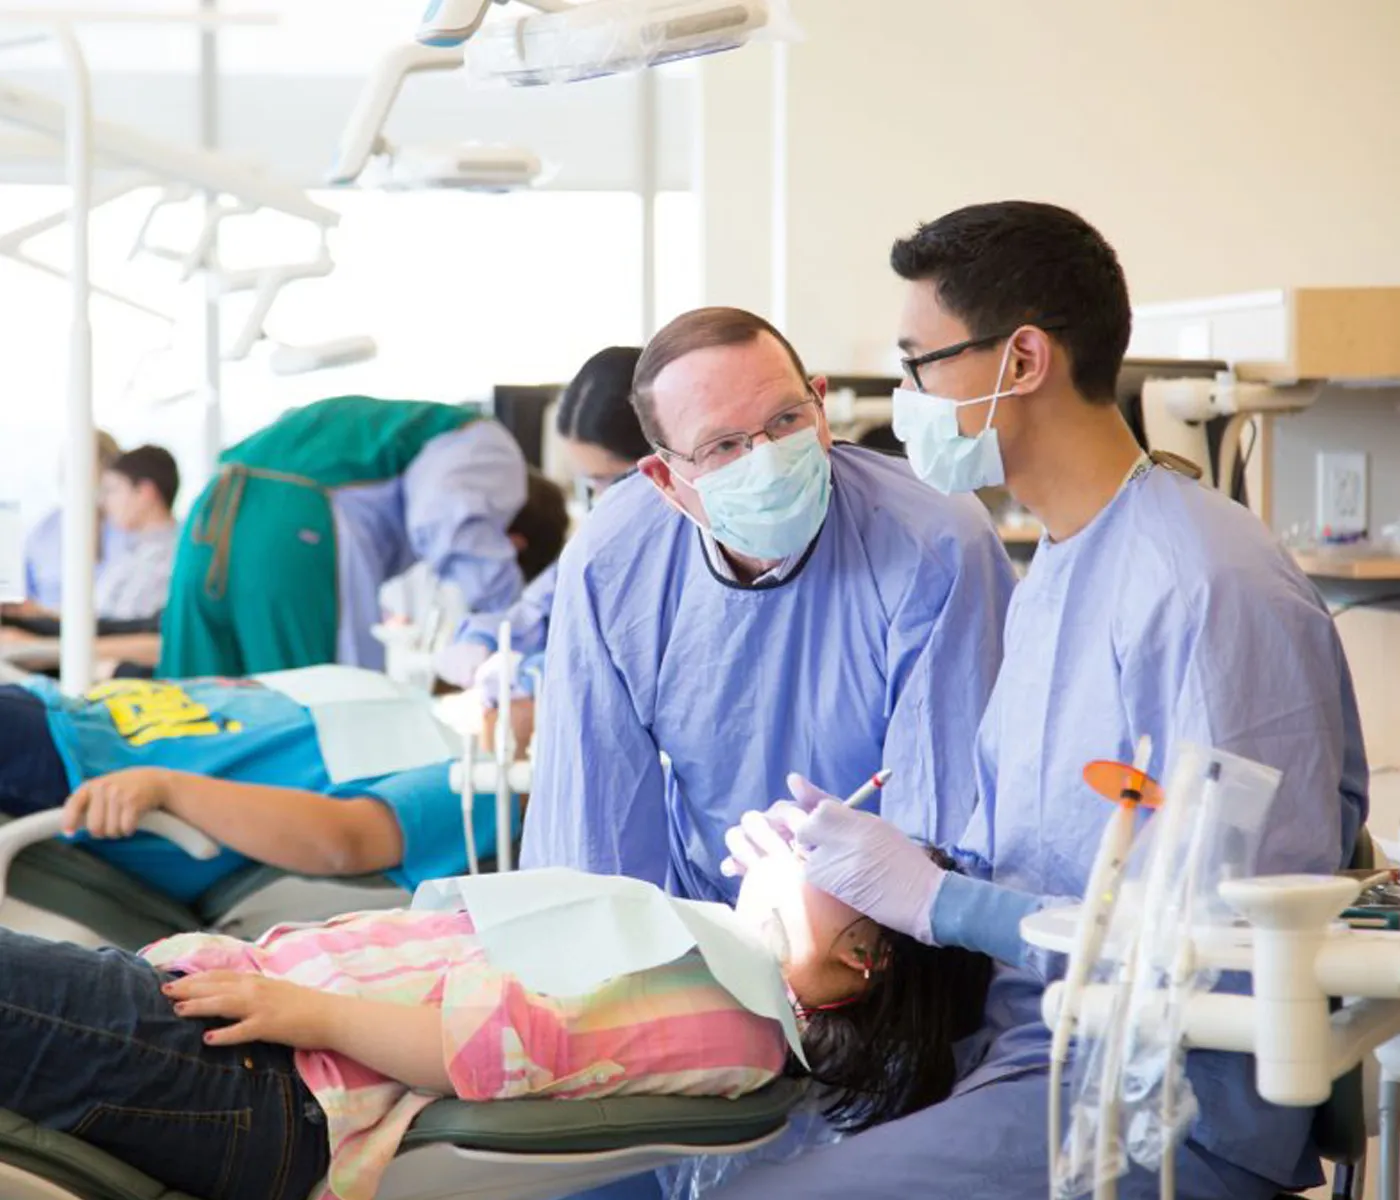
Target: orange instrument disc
[{"x": 1123, "y": 784}]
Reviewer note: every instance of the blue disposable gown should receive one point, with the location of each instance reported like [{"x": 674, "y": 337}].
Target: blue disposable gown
[
  {"x": 528, "y": 617},
  {"x": 881, "y": 647},
  {"x": 1174, "y": 614},
  {"x": 451, "y": 509}
]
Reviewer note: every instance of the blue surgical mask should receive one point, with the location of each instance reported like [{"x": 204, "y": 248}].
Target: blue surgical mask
[
  {"x": 939, "y": 453},
  {"x": 770, "y": 503}
]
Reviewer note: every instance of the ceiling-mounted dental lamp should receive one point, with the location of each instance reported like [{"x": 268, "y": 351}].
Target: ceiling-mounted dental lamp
[
  {"x": 557, "y": 43},
  {"x": 566, "y": 43},
  {"x": 466, "y": 167}
]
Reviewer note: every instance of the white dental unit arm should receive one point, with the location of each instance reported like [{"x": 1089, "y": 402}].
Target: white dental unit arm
[
  {"x": 1149, "y": 999},
  {"x": 557, "y": 43}
]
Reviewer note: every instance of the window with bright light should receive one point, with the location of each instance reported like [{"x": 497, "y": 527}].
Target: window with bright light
[{"x": 459, "y": 291}]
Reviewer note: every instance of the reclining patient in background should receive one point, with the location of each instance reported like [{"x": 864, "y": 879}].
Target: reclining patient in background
[
  {"x": 238, "y": 760},
  {"x": 247, "y": 1071}
]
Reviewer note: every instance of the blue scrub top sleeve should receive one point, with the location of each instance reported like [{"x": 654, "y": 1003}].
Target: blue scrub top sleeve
[
  {"x": 599, "y": 795},
  {"x": 460, "y": 496},
  {"x": 941, "y": 668},
  {"x": 982, "y": 916}
]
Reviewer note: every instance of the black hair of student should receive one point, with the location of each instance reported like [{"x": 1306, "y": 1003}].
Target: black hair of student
[
  {"x": 1000, "y": 266},
  {"x": 543, "y": 523},
  {"x": 596, "y": 407},
  {"x": 890, "y": 1053},
  {"x": 150, "y": 464}
]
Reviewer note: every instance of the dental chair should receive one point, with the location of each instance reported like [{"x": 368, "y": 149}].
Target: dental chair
[
  {"x": 505, "y": 1150},
  {"x": 54, "y": 889}
]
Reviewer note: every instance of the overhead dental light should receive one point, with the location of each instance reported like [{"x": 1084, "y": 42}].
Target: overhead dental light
[
  {"x": 558, "y": 43},
  {"x": 466, "y": 167},
  {"x": 567, "y": 43}
]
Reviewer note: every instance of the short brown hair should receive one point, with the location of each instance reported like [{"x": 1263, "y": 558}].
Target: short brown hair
[
  {"x": 699, "y": 329},
  {"x": 107, "y": 450},
  {"x": 150, "y": 464}
]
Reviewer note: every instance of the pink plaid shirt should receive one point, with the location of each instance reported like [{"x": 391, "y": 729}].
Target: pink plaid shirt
[{"x": 671, "y": 1030}]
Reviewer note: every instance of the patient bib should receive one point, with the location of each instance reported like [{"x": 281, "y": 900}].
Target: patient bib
[{"x": 565, "y": 933}]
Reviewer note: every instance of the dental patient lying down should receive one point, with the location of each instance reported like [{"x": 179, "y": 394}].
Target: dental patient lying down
[{"x": 250, "y": 1071}]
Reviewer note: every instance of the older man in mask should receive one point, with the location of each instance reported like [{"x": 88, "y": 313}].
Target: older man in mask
[{"x": 755, "y": 600}]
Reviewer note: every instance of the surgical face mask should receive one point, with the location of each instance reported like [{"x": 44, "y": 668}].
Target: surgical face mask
[
  {"x": 941, "y": 455},
  {"x": 770, "y": 503}
]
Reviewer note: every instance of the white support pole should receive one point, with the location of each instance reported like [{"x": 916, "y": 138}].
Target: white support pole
[
  {"x": 646, "y": 184},
  {"x": 212, "y": 333},
  {"x": 80, "y": 502},
  {"x": 778, "y": 234}
]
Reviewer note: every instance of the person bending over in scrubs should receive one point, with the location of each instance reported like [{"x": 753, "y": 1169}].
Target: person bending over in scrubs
[
  {"x": 251, "y": 1071},
  {"x": 1154, "y": 606},
  {"x": 756, "y": 597},
  {"x": 43, "y": 548},
  {"x": 602, "y": 442},
  {"x": 283, "y": 555},
  {"x": 236, "y": 759}
]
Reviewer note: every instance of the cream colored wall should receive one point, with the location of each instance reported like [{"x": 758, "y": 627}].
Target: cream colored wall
[{"x": 1220, "y": 146}]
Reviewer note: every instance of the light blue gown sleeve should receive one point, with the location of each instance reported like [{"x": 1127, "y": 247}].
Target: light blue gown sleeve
[
  {"x": 1260, "y": 672},
  {"x": 460, "y": 496},
  {"x": 932, "y": 732},
  {"x": 528, "y": 617},
  {"x": 599, "y": 796},
  {"x": 1257, "y": 672}
]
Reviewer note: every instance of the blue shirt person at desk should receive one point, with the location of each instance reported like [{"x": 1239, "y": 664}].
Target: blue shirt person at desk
[
  {"x": 1154, "y": 606},
  {"x": 43, "y": 547},
  {"x": 754, "y": 598},
  {"x": 239, "y": 761}
]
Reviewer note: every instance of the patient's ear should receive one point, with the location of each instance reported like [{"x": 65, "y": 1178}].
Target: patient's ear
[{"x": 863, "y": 950}]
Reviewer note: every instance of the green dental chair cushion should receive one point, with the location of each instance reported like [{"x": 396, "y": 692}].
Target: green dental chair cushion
[{"x": 513, "y": 1126}]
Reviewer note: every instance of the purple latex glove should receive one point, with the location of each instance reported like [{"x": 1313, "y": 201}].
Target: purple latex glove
[
  {"x": 760, "y": 835},
  {"x": 458, "y": 662},
  {"x": 867, "y": 863},
  {"x": 855, "y": 856}
]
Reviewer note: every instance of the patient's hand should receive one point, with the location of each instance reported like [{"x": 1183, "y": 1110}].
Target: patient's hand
[
  {"x": 260, "y": 1009},
  {"x": 111, "y": 805}
]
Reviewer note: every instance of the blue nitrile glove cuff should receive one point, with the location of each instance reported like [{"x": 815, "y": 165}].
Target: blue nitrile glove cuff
[{"x": 982, "y": 916}]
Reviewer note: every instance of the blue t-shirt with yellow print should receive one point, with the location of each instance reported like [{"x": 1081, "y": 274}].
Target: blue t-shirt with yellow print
[{"x": 238, "y": 730}]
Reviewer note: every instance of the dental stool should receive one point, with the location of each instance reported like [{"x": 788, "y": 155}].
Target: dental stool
[{"x": 506, "y": 1150}]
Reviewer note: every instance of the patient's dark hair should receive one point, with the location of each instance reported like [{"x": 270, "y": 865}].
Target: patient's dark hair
[
  {"x": 890, "y": 1053},
  {"x": 543, "y": 523}
]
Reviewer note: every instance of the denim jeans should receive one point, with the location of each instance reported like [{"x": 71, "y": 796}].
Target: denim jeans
[
  {"x": 89, "y": 1046},
  {"x": 32, "y": 777}
]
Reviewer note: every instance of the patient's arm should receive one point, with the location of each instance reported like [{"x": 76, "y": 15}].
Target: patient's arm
[
  {"x": 143, "y": 648},
  {"x": 285, "y": 827},
  {"x": 401, "y": 1041}
]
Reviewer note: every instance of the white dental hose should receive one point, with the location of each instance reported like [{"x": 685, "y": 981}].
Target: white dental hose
[
  {"x": 1104, "y": 877},
  {"x": 1183, "y": 964},
  {"x": 505, "y": 753},
  {"x": 469, "y": 803}
]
